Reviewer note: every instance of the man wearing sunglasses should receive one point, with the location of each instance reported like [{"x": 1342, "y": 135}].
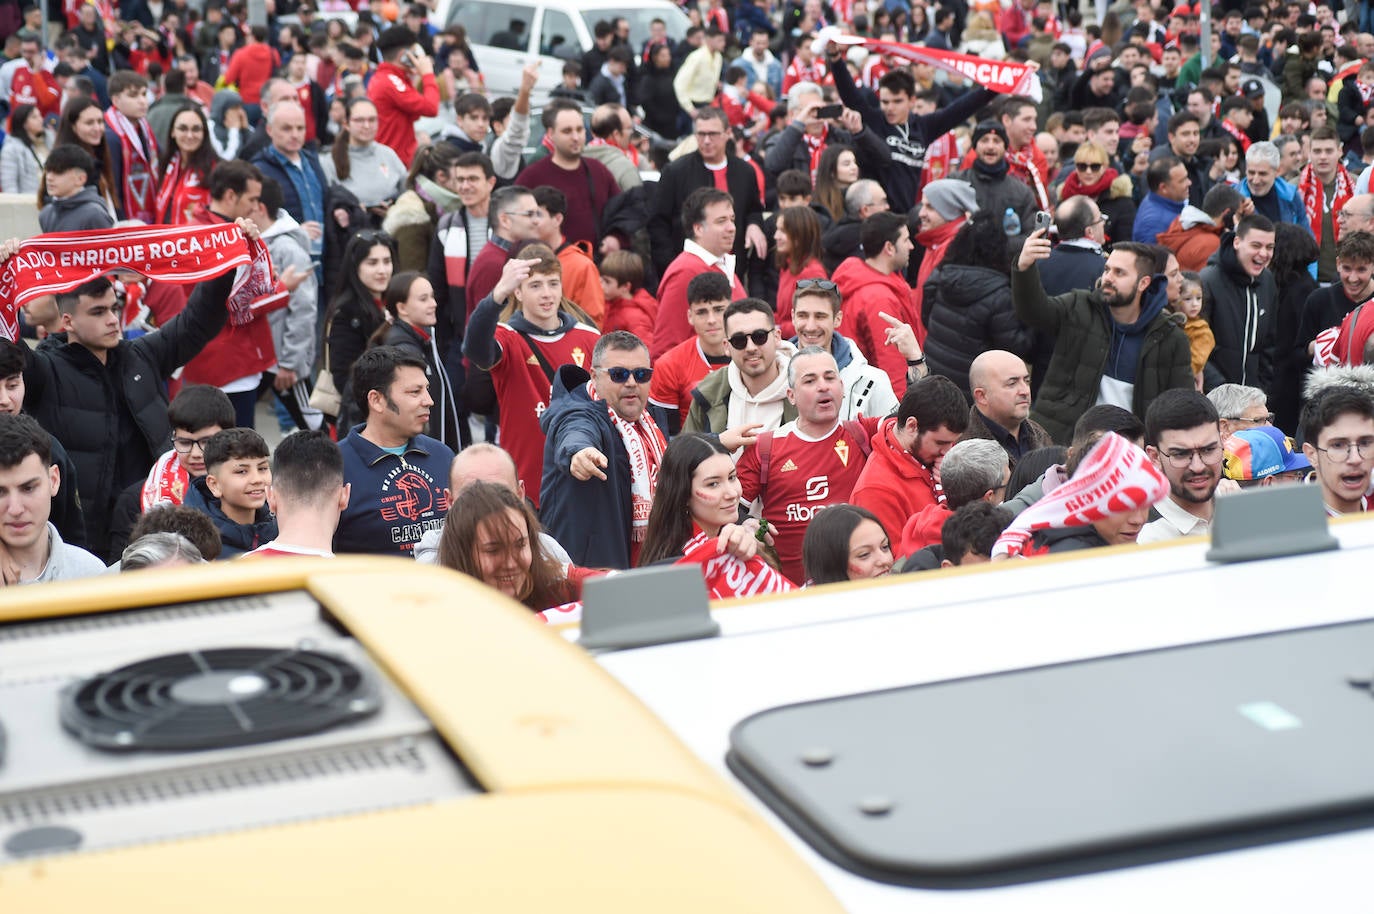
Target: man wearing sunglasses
[
  {"x": 601, "y": 455},
  {"x": 750, "y": 394},
  {"x": 1183, "y": 438}
]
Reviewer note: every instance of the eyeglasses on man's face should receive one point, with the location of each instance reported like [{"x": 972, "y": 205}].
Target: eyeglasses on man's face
[
  {"x": 1340, "y": 450},
  {"x": 1182, "y": 457},
  {"x": 1266, "y": 419}
]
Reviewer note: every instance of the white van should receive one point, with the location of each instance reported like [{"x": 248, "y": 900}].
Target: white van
[
  {"x": 821, "y": 706},
  {"x": 505, "y": 35}
]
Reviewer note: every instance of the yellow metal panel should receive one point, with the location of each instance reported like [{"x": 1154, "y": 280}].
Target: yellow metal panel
[{"x": 603, "y": 851}]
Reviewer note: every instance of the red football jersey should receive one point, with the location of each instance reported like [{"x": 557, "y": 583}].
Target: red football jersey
[
  {"x": 523, "y": 390},
  {"x": 804, "y": 475},
  {"x": 677, "y": 372}
]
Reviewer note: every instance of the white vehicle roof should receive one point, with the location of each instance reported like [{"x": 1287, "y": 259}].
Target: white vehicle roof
[{"x": 854, "y": 638}]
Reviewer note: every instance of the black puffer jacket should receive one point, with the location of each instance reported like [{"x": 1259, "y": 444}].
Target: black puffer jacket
[
  {"x": 75, "y": 398},
  {"x": 967, "y": 311},
  {"x": 1242, "y": 311}
]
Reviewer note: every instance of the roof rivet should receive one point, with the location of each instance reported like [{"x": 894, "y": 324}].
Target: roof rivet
[
  {"x": 817, "y": 757},
  {"x": 876, "y": 806}
]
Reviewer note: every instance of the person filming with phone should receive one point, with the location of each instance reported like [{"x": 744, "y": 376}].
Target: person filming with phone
[
  {"x": 816, "y": 125},
  {"x": 1113, "y": 344},
  {"x": 392, "y": 90}
]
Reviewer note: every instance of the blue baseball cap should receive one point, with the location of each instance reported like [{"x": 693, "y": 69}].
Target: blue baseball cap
[{"x": 1256, "y": 453}]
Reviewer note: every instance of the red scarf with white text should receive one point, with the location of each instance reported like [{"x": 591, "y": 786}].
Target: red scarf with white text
[
  {"x": 58, "y": 262},
  {"x": 1115, "y": 477}
]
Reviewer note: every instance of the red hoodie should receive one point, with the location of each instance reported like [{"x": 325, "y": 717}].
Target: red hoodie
[
  {"x": 865, "y": 292},
  {"x": 894, "y": 485},
  {"x": 399, "y": 106},
  {"x": 924, "y": 528},
  {"x": 936, "y": 242},
  {"x": 636, "y": 314}
]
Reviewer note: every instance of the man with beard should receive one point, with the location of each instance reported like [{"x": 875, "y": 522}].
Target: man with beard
[
  {"x": 1112, "y": 345},
  {"x": 990, "y": 174},
  {"x": 1240, "y": 302},
  {"x": 1183, "y": 438}
]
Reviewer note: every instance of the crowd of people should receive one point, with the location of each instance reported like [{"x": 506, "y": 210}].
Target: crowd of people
[{"x": 781, "y": 293}]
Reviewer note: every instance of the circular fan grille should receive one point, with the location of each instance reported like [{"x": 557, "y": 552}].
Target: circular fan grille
[{"x": 217, "y": 698}]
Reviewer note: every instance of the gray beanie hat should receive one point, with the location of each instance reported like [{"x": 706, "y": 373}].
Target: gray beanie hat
[{"x": 951, "y": 198}]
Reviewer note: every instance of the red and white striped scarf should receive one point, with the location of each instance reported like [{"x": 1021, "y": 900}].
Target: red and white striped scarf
[
  {"x": 1114, "y": 478},
  {"x": 167, "y": 483},
  {"x": 815, "y": 145},
  {"x": 644, "y": 444},
  {"x": 1314, "y": 198},
  {"x": 139, "y": 152},
  {"x": 1026, "y": 163}
]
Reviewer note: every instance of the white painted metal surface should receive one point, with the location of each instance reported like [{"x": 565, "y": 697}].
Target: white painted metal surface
[{"x": 929, "y": 627}]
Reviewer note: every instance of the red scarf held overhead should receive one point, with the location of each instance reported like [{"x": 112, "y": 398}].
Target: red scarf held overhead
[
  {"x": 1314, "y": 199},
  {"x": 59, "y": 262},
  {"x": 139, "y": 155},
  {"x": 1004, "y": 76}
]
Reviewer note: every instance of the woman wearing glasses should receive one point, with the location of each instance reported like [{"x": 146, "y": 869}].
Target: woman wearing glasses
[
  {"x": 1093, "y": 176},
  {"x": 798, "y": 240},
  {"x": 184, "y": 184},
  {"x": 373, "y": 172}
]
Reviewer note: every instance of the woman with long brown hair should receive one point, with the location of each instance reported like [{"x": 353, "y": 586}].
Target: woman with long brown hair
[
  {"x": 184, "y": 184},
  {"x": 837, "y": 170},
  {"x": 798, "y": 240},
  {"x": 83, "y": 123},
  {"x": 492, "y": 535},
  {"x": 412, "y": 312}
]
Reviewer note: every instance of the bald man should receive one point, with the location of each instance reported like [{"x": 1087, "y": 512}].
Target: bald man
[
  {"x": 1000, "y": 384},
  {"x": 483, "y": 462}
]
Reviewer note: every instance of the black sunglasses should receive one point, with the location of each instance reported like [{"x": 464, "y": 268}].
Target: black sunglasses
[
  {"x": 620, "y": 375},
  {"x": 824, "y": 285},
  {"x": 1088, "y": 166},
  {"x": 758, "y": 337}
]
